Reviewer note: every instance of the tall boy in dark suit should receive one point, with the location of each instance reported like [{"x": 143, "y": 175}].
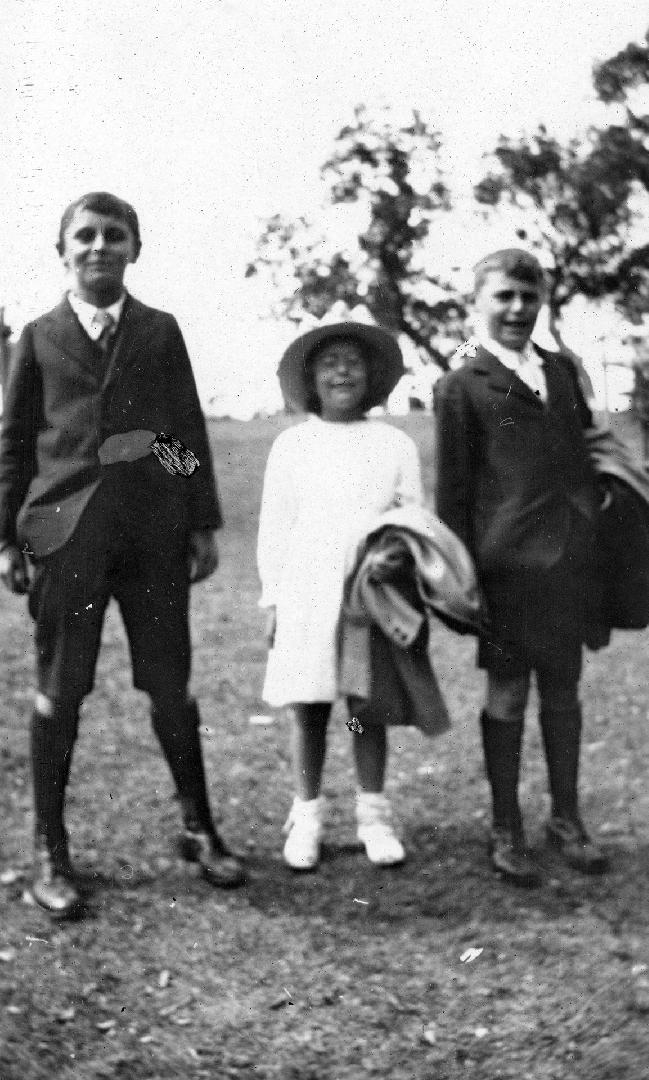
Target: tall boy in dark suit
[
  {"x": 514, "y": 481},
  {"x": 100, "y": 516}
]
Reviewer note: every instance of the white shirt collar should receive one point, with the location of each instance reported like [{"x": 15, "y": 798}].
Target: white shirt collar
[
  {"x": 86, "y": 312},
  {"x": 509, "y": 357},
  {"x": 527, "y": 364}
]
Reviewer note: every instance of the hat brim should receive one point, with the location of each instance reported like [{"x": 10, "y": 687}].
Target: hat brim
[{"x": 385, "y": 362}]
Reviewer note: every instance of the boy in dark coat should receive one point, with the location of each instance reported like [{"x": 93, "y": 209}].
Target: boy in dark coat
[
  {"x": 88, "y": 512},
  {"x": 514, "y": 481}
]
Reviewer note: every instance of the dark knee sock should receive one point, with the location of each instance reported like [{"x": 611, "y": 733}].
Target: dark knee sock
[
  {"x": 177, "y": 729},
  {"x": 502, "y": 742},
  {"x": 561, "y": 730},
  {"x": 52, "y": 745}
]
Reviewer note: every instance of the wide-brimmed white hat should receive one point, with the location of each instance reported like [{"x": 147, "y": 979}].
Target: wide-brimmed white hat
[{"x": 385, "y": 362}]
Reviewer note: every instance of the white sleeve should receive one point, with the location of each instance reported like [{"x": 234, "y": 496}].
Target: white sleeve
[
  {"x": 409, "y": 486},
  {"x": 275, "y": 519}
]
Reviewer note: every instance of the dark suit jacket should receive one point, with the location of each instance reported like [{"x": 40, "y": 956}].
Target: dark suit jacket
[
  {"x": 623, "y": 532},
  {"x": 515, "y": 482},
  {"x": 514, "y": 479},
  {"x": 62, "y": 401}
]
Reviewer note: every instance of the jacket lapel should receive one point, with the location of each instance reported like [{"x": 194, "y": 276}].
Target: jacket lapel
[
  {"x": 134, "y": 328},
  {"x": 65, "y": 332},
  {"x": 501, "y": 379},
  {"x": 555, "y": 378}
]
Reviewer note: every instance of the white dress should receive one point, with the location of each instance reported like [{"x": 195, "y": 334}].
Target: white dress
[{"x": 325, "y": 483}]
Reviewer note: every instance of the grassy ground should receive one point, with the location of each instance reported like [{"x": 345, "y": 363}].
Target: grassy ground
[{"x": 349, "y": 973}]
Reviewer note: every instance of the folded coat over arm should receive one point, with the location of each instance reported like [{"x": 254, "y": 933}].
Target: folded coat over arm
[{"x": 408, "y": 570}]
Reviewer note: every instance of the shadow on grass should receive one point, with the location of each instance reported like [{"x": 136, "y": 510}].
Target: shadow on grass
[{"x": 446, "y": 879}]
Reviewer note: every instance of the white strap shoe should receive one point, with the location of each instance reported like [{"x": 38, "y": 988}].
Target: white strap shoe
[
  {"x": 375, "y": 829},
  {"x": 303, "y": 831}
]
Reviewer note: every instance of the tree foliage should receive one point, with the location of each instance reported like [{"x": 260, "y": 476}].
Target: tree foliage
[
  {"x": 586, "y": 197},
  {"x": 580, "y": 198},
  {"x": 614, "y": 79},
  {"x": 390, "y": 173},
  {"x": 624, "y": 79}
]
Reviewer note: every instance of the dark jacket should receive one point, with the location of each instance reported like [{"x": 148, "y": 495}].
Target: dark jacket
[
  {"x": 63, "y": 401},
  {"x": 623, "y": 532},
  {"x": 511, "y": 470},
  {"x": 515, "y": 482}
]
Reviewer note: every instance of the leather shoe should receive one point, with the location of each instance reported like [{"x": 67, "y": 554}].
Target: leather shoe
[
  {"x": 216, "y": 863},
  {"x": 511, "y": 858},
  {"x": 53, "y": 886},
  {"x": 572, "y": 841}
]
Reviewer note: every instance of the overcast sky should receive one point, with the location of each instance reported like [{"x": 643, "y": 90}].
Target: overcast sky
[{"x": 210, "y": 114}]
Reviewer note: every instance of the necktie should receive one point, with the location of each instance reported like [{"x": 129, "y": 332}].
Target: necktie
[{"x": 107, "y": 323}]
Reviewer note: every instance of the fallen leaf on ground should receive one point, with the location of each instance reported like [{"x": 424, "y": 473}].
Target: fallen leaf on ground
[
  {"x": 469, "y": 955},
  {"x": 175, "y": 1005},
  {"x": 280, "y": 1003}
]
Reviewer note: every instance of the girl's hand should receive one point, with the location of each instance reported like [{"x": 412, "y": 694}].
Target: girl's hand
[
  {"x": 203, "y": 554},
  {"x": 13, "y": 569},
  {"x": 271, "y": 625}
]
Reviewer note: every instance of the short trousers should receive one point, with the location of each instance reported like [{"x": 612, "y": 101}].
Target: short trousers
[{"x": 115, "y": 551}]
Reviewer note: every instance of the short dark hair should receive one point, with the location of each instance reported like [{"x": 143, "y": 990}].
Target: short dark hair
[
  {"x": 313, "y": 404},
  {"x": 515, "y": 262},
  {"x": 101, "y": 202}
]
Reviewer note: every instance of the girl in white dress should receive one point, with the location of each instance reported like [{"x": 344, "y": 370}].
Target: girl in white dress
[{"x": 326, "y": 480}]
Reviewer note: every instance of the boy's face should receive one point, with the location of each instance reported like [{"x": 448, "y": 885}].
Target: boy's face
[
  {"x": 509, "y": 308},
  {"x": 97, "y": 248}
]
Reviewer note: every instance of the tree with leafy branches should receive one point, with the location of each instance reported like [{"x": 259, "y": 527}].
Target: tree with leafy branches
[
  {"x": 587, "y": 198},
  {"x": 585, "y": 201},
  {"x": 581, "y": 202},
  {"x": 390, "y": 172},
  {"x": 623, "y": 79}
]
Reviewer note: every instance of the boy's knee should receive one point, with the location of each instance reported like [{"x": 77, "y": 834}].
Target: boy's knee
[
  {"x": 49, "y": 707},
  {"x": 559, "y": 690},
  {"x": 44, "y": 706},
  {"x": 506, "y": 698}
]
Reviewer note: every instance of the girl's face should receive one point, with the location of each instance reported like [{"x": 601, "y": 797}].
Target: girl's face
[{"x": 340, "y": 381}]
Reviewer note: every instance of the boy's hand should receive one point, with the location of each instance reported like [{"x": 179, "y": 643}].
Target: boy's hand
[
  {"x": 271, "y": 624},
  {"x": 13, "y": 570},
  {"x": 203, "y": 554}
]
